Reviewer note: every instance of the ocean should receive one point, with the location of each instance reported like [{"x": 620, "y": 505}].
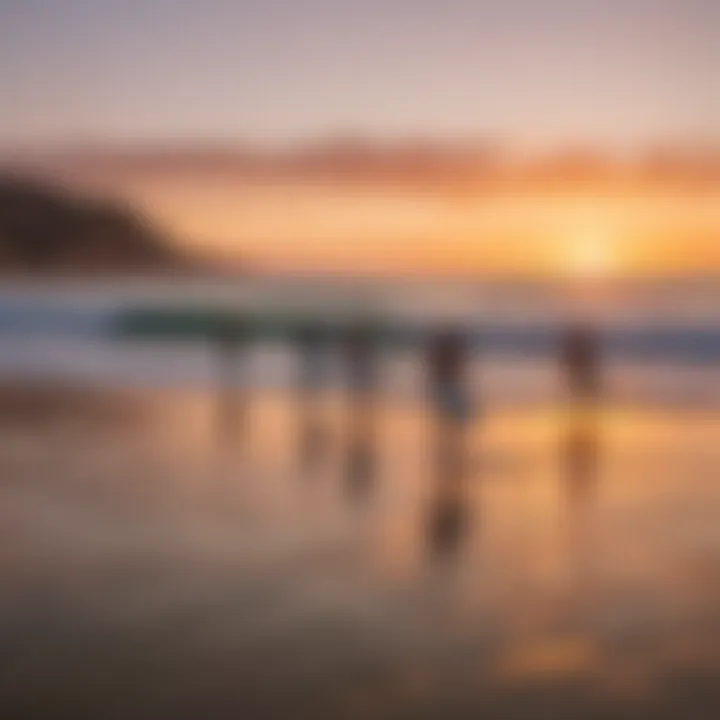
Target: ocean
[{"x": 661, "y": 339}]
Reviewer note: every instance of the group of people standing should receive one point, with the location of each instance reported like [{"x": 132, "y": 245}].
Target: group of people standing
[
  {"x": 448, "y": 358},
  {"x": 448, "y": 361}
]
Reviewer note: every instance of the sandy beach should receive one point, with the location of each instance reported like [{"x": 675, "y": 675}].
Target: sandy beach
[{"x": 151, "y": 571}]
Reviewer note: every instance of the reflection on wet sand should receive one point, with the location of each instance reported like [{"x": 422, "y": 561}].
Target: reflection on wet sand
[
  {"x": 579, "y": 465},
  {"x": 449, "y": 517},
  {"x": 184, "y": 603},
  {"x": 580, "y": 460},
  {"x": 360, "y": 459},
  {"x": 313, "y": 444}
]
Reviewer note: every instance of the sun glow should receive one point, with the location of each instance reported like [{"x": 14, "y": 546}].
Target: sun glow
[{"x": 590, "y": 255}]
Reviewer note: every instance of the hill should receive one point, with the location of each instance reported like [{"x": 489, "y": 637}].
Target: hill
[{"x": 45, "y": 228}]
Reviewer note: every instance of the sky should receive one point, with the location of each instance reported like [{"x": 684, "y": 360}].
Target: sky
[{"x": 534, "y": 71}]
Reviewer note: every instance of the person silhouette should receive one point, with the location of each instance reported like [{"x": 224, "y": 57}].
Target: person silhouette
[
  {"x": 362, "y": 376},
  {"x": 312, "y": 436},
  {"x": 449, "y": 392},
  {"x": 448, "y": 365},
  {"x": 360, "y": 346},
  {"x": 228, "y": 342},
  {"x": 581, "y": 359}
]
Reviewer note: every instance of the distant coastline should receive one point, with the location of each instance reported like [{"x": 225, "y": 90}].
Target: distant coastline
[{"x": 49, "y": 230}]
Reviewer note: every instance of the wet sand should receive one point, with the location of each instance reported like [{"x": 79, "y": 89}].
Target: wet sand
[{"x": 150, "y": 571}]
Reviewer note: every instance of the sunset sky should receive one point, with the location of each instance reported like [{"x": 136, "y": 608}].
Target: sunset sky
[
  {"x": 538, "y": 73},
  {"x": 537, "y": 70}
]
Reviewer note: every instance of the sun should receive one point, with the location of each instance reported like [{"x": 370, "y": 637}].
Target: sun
[{"x": 589, "y": 255}]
